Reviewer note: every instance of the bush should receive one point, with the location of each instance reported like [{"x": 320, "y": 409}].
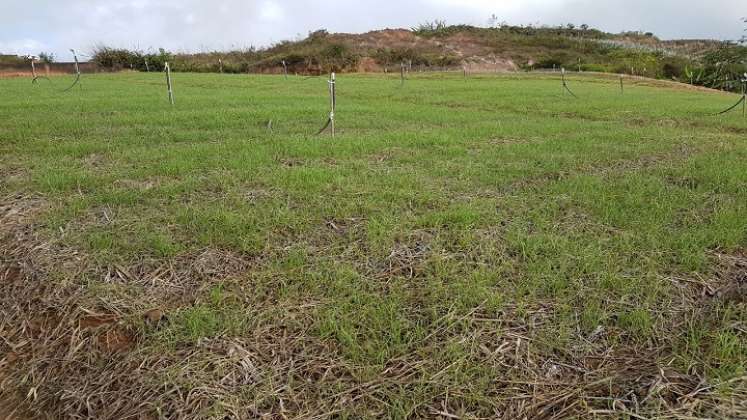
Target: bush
[
  {"x": 157, "y": 62},
  {"x": 673, "y": 68},
  {"x": 430, "y": 28},
  {"x": 115, "y": 59},
  {"x": 337, "y": 57},
  {"x": 555, "y": 60},
  {"x": 599, "y": 68},
  {"x": 46, "y": 57}
]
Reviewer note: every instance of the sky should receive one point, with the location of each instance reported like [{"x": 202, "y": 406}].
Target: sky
[{"x": 32, "y": 26}]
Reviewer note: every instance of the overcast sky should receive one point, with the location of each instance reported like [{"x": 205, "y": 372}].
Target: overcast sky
[{"x": 31, "y": 26}]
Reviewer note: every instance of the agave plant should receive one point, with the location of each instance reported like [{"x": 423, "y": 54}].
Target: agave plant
[{"x": 692, "y": 76}]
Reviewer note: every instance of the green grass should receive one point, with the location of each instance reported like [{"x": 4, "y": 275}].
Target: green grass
[{"x": 455, "y": 239}]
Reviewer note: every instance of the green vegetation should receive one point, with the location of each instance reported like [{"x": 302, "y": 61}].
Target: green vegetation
[
  {"x": 474, "y": 248},
  {"x": 46, "y": 57},
  {"x": 118, "y": 59},
  {"x": 13, "y": 60}
]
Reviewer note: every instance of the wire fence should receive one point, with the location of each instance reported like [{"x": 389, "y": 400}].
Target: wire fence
[{"x": 403, "y": 76}]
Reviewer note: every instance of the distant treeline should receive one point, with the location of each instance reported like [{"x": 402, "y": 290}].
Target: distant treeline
[{"x": 436, "y": 45}]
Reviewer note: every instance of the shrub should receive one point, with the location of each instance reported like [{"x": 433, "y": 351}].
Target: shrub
[
  {"x": 119, "y": 58},
  {"x": 113, "y": 58},
  {"x": 600, "y": 68},
  {"x": 559, "y": 59},
  {"x": 673, "y": 68},
  {"x": 46, "y": 57},
  {"x": 337, "y": 57},
  {"x": 430, "y": 28}
]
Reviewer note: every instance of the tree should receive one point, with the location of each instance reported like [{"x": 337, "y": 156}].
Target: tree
[
  {"x": 46, "y": 57},
  {"x": 744, "y": 37},
  {"x": 493, "y": 21}
]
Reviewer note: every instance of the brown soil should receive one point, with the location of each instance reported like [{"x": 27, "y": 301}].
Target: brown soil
[{"x": 15, "y": 73}]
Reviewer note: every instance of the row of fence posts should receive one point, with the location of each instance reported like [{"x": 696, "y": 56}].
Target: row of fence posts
[
  {"x": 632, "y": 71},
  {"x": 35, "y": 76},
  {"x": 742, "y": 100},
  {"x": 404, "y": 69}
]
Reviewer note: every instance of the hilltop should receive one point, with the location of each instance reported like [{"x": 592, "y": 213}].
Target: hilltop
[{"x": 436, "y": 45}]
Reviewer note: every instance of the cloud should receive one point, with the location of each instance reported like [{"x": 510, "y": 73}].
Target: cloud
[
  {"x": 271, "y": 11},
  {"x": 21, "y": 46},
  {"x": 197, "y": 25}
]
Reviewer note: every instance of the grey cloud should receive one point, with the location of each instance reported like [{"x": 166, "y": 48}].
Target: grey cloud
[{"x": 194, "y": 25}]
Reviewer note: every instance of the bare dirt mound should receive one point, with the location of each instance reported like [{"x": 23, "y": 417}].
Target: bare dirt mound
[
  {"x": 386, "y": 38},
  {"x": 475, "y": 55}
]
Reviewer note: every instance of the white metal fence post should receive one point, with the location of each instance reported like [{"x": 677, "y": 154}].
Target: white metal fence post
[
  {"x": 77, "y": 72},
  {"x": 167, "y": 68},
  {"x": 333, "y": 102},
  {"x": 562, "y": 78},
  {"x": 33, "y": 71}
]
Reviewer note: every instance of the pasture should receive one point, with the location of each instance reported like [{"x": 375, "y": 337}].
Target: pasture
[{"x": 487, "y": 247}]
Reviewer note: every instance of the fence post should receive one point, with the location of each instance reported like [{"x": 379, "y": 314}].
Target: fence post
[
  {"x": 402, "y": 73},
  {"x": 147, "y": 67},
  {"x": 77, "y": 67},
  {"x": 167, "y": 68},
  {"x": 285, "y": 69},
  {"x": 77, "y": 72},
  {"x": 333, "y": 103},
  {"x": 562, "y": 78},
  {"x": 33, "y": 70},
  {"x": 742, "y": 101},
  {"x": 566, "y": 89},
  {"x": 622, "y": 89}
]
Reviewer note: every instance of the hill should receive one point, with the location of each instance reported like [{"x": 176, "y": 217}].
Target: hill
[
  {"x": 437, "y": 46},
  {"x": 508, "y": 48}
]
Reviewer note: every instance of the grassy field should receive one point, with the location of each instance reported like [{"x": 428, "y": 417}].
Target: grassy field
[{"x": 476, "y": 248}]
